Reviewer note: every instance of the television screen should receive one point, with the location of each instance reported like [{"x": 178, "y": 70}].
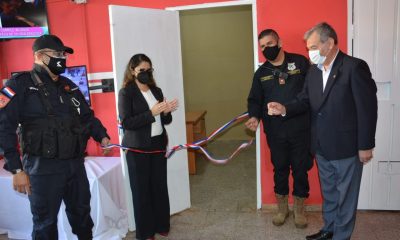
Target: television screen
[
  {"x": 79, "y": 76},
  {"x": 23, "y": 19}
]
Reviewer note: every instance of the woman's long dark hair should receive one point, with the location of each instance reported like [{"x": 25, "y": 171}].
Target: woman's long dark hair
[{"x": 135, "y": 60}]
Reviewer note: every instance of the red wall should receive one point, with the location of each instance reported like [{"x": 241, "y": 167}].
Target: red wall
[
  {"x": 292, "y": 19},
  {"x": 86, "y": 29}
]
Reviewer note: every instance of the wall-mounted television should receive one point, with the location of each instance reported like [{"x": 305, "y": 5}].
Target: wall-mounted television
[
  {"x": 23, "y": 19},
  {"x": 78, "y": 75}
]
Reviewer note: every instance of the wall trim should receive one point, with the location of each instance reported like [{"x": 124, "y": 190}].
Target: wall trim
[
  {"x": 211, "y": 5},
  {"x": 100, "y": 75}
]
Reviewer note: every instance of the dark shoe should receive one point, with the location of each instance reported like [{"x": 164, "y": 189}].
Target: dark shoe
[{"x": 320, "y": 236}]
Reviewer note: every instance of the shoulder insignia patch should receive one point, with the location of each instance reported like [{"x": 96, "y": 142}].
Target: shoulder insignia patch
[
  {"x": 6, "y": 94},
  {"x": 265, "y": 78}
]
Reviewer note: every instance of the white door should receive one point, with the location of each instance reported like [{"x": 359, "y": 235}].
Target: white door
[
  {"x": 375, "y": 33},
  {"x": 155, "y": 33}
]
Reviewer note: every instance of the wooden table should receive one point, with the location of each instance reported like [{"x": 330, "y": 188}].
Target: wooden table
[{"x": 195, "y": 130}]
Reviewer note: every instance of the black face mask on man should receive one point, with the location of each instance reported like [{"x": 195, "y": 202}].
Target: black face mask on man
[
  {"x": 57, "y": 65},
  {"x": 144, "y": 77},
  {"x": 271, "y": 53}
]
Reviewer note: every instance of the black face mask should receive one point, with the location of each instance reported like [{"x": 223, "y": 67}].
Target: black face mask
[
  {"x": 271, "y": 53},
  {"x": 57, "y": 65},
  {"x": 144, "y": 77}
]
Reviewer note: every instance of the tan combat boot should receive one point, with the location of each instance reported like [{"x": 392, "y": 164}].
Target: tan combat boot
[
  {"x": 283, "y": 210},
  {"x": 300, "y": 219}
]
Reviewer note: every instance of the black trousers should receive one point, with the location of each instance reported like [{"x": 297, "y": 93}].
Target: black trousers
[
  {"x": 291, "y": 152},
  {"x": 148, "y": 179},
  {"x": 49, "y": 190}
]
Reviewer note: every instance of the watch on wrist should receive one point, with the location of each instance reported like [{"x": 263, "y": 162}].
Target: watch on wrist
[{"x": 15, "y": 171}]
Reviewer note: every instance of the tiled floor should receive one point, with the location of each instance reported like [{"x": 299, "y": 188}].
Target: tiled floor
[{"x": 224, "y": 207}]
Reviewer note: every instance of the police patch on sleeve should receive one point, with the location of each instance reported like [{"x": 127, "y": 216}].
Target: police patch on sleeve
[{"x": 6, "y": 94}]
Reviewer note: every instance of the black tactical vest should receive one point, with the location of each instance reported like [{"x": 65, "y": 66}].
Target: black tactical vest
[{"x": 51, "y": 136}]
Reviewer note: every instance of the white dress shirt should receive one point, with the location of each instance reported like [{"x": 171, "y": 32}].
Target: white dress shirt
[
  {"x": 327, "y": 71},
  {"x": 156, "y": 127}
]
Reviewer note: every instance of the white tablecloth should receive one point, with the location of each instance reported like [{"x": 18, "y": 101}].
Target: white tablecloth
[{"x": 108, "y": 208}]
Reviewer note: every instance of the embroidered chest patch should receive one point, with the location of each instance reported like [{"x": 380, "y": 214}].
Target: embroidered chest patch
[{"x": 265, "y": 78}]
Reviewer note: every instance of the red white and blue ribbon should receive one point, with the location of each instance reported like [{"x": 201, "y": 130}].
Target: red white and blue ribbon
[
  {"x": 132, "y": 149},
  {"x": 198, "y": 144}
]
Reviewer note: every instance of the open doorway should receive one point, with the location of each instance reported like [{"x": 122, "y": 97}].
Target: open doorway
[{"x": 218, "y": 65}]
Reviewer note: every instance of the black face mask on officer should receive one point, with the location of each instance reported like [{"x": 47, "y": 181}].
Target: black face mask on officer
[
  {"x": 144, "y": 77},
  {"x": 56, "y": 65},
  {"x": 271, "y": 53}
]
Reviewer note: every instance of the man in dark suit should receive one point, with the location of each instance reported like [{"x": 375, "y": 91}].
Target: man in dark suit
[{"x": 341, "y": 95}]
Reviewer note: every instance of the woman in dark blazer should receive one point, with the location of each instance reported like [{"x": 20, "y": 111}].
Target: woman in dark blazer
[{"x": 143, "y": 112}]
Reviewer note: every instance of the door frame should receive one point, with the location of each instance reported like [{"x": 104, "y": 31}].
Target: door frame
[
  {"x": 253, "y": 4},
  {"x": 350, "y": 27}
]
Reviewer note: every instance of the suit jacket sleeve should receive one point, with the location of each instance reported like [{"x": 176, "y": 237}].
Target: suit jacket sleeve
[
  {"x": 300, "y": 104},
  {"x": 129, "y": 119},
  {"x": 165, "y": 118},
  {"x": 364, "y": 94}
]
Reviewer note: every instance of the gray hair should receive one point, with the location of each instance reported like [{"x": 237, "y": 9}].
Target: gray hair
[{"x": 325, "y": 32}]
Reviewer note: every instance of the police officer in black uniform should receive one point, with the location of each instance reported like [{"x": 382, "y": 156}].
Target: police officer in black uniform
[
  {"x": 55, "y": 124},
  {"x": 282, "y": 78}
]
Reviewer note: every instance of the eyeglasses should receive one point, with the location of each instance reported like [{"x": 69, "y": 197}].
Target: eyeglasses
[
  {"x": 149, "y": 70},
  {"x": 57, "y": 54}
]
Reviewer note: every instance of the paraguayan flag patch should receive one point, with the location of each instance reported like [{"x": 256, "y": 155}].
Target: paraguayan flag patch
[{"x": 6, "y": 94}]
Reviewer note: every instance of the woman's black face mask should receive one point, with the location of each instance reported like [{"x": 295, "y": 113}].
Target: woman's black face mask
[{"x": 144, "y": 77}]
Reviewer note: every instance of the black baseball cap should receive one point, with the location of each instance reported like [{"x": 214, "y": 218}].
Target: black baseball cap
[{"x": 51, "y": 42}]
